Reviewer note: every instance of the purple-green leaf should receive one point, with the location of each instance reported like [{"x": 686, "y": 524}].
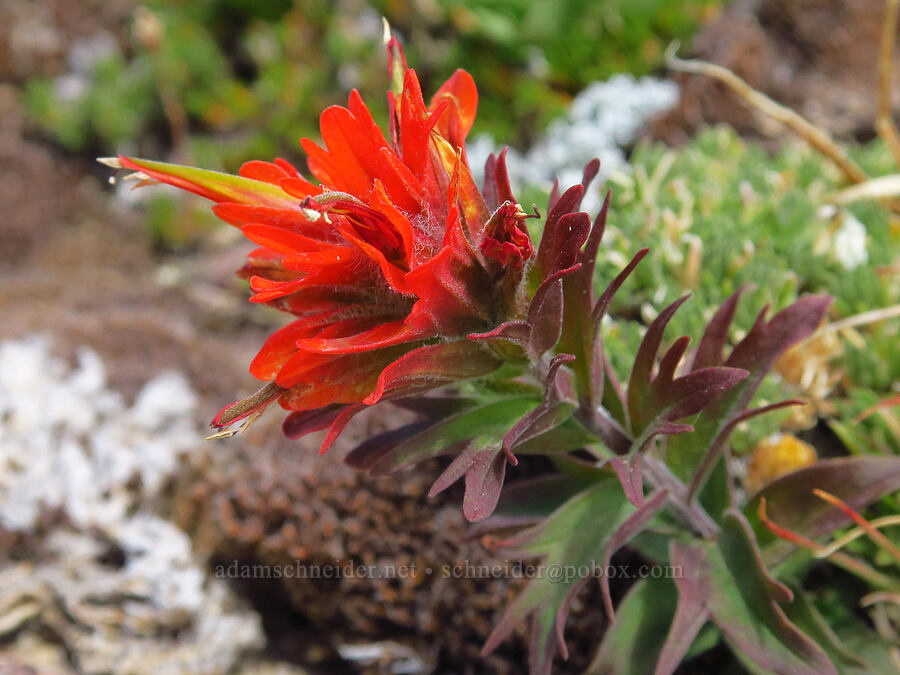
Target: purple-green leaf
[
  {"x": 710, "y": 350},
  {"x": 484, "y": 481},
  {"x": 578, "y": 293},
  {"x": 528, "y": 501},
  {"x": 629, "y": 473},
  {"x": 553, "y": 411},
  {"x": 640, "y": 381},
  {"x": 571, "y": 542},
  {"x": 367, "y": 453},
  {"x": 654, "y": 402},
  {"x": 554, "y": 236},
  {"x": 756, "y": 353},
  {"x": 628, "y": 530},
  {"x": 492, "y": 418},
  {"x": 602, "y": 379},
  {"x": 690, "y": 615},
  {"x": 304, "y": 422},
  {"x": 545, "y": 313},
  {"x": 484, "y": 466},
  {"x": 632, "y": 644},
  {"x": 727, "y": 581},
  {"x": 790, "y": 502},
  {"x": 803, "y": 612}
]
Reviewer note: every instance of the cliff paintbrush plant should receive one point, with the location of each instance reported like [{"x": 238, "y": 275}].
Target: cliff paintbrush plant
[{"x": 402, "y": 277}]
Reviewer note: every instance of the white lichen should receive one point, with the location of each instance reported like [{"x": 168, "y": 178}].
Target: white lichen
[{"x": 117, "y": 584}]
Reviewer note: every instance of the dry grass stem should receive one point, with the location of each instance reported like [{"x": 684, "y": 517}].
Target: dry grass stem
[{"x": 818, "y": 138}]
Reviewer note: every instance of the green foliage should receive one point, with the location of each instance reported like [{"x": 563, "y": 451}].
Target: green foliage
[
  {"x": 754, "y": 218},
  {"x": 262, "y": 71},
  {"x": 562, "y": 46},
  {"x": 877, "y": 434},
  {"x": 195, "y": 68},
  {"x": 760, "y": 220},
  {"x": 632, "y": 644}
]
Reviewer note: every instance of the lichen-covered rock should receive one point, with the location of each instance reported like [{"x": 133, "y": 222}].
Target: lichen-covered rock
[{"x": 91, "y": 579}]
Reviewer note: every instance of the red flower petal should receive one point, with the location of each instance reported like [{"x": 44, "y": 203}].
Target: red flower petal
[
  {"x": 282, "y": 240},
  {"x": 454, "y": 123},
  {"x": 437, "y": 364},
  {"x": 264, "y": 171},
  {"x": 383, "y": 335},
  {"x": 278, "y": 348}
]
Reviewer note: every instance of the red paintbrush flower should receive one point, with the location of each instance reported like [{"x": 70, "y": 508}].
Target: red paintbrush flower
[{"x": 387, "y": 263}]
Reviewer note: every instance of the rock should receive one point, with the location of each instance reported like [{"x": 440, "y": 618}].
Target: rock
[{"x": 86, "y": 560}]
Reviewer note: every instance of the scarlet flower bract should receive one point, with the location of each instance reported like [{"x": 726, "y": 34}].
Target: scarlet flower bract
[{"x": 386, "y": 264}]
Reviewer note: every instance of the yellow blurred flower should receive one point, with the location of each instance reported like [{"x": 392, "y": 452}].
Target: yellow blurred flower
[{"x": 775, "y": 456}]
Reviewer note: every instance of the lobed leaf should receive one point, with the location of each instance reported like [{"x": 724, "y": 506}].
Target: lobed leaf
[
  {"x": 572, "y": 541},
  {"x": 490, "y": 419},
  {"x": 654, "y": 403},
  {"x": 727, "y": 582},
  {"x": 631, "y": 645},
  {"x": 756, "y": 354}
]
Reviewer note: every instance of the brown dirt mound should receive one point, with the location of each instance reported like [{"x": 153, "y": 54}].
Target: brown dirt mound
[{"x": 817, "y": 56}]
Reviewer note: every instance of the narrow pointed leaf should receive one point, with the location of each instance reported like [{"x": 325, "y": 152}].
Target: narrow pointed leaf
[
  {"x": 632, "y": 644},
  {"x": 545, "y": 313},
  {"x": 526, "y": 502},
  {"x": 551, "y": 238},
  {"x": 756, "y": 353},
  {"x": 461, "y": 464},
  {"x": 300, "y": 423},
  {"x": 578, "y": 300},
  {"x": 484, "y": 481},
  {"x": 491, "y": 418},
  {"x": 367, "y": 453},
  {"x": 551, "y": 413},
  {"x": 600, "y": 373},
  {"x": 710, "y": 350},
  {"x": 790, "y": 502},
  {"x": 717, "y": 446},
  {"x": 565, "y": 437},
  {"x": 630, "y": 527},
  {"x": 803, "y": 612},
  {"x": 690, "y": 616},
  {"x": 629, "y": 472},
  {"x": 570, "y": 540},
  {"x": 728, "y": 580}
]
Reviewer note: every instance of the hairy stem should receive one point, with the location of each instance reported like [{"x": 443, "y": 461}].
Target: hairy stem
[{"x": 661, "y": 478}]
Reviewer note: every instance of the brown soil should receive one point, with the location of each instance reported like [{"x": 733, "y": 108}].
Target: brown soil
[{"x": 818, "y": 57}]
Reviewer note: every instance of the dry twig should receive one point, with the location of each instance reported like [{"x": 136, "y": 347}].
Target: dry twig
[{"x": 820, "y": 139}]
